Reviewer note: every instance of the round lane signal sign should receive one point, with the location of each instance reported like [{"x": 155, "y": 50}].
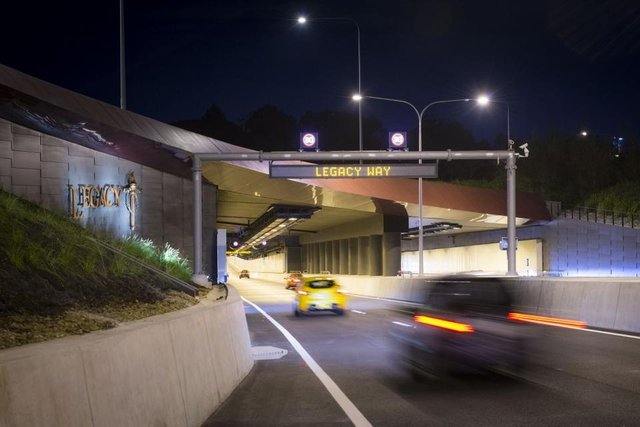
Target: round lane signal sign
[
  {"x": 397, "y": 140},
  {"x": 308, "y": 140}
]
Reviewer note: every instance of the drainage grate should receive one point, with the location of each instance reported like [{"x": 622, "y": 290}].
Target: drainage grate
[{"x": 267, "y": 352}]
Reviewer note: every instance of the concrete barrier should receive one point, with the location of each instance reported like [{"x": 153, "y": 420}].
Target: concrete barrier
[
  {"x": 174, "y": 369},
  {"x": 601, "y": 302}
]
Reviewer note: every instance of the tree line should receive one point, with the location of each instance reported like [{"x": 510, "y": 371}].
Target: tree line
[{"x": 574, "y": 169}]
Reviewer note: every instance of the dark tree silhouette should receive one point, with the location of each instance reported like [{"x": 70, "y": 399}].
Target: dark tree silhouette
[
  {"x": 338, "y": 130},
  {"x": 214, "y": 124},
  {"x": 271, "y": 129},
  {"x": 573, "y": 169}
]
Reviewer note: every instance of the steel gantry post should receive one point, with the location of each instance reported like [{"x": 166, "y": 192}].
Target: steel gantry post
[
  {"x": 197, "y": 215},
  {"x": 511, "y": 213}
]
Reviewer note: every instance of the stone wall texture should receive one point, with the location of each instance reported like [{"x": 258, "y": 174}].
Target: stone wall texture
[{"x": 41, "y": 168}]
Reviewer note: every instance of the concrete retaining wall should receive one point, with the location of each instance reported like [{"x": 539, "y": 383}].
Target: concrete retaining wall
[
  {"x": 570, "y": 248},
  {"x": 40, "y": 168},
  {"x": 174, "y": 370}
]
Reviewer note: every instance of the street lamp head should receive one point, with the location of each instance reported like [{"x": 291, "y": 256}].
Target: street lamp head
[
  {"x": 483, "y": 100},
  {"x": 584, "y": 133},
  {"x": 357, "y": 97},
  {"x": 302, "y": 19}
]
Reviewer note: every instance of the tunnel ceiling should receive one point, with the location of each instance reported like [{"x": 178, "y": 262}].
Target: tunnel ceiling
[{"x": 245, "y": 194}]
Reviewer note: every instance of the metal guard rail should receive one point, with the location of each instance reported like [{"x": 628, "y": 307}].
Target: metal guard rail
[
  {"x": 177, "y": 284},
  {"x": 600, "y": 216}
]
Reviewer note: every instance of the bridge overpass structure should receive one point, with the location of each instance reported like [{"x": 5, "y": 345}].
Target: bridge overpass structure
[{"x": 53, "y": 140}]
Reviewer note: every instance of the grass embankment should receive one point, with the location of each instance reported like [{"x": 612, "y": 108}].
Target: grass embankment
[{"x": 55, "y": 280}]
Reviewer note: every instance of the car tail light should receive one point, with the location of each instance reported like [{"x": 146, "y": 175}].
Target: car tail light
[
  {"x": 544, "y": 320},
  {"x": 301, "y": 292},
  {"x": 343, "y": 291},
  {"x": 444, "y": 324}
]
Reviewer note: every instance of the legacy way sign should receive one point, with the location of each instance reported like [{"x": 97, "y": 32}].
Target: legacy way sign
[{"x": 425, "y": 170}]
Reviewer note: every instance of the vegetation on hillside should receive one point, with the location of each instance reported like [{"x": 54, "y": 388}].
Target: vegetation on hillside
[
  {"x": 57, "y": 280},
  {"x": 623, "y": 197}
]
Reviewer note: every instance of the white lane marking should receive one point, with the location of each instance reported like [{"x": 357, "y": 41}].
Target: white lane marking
[
  {"x": 358, "y": 311},
  {"x": 611, "y": 333},
  {"x": 347, "y": 406},
  {"x": 402, "y": 324},
  {"x": 399, "y": 301}
]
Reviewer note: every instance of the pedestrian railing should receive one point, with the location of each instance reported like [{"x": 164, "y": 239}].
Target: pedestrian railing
[{"x": 600, "y": 216}]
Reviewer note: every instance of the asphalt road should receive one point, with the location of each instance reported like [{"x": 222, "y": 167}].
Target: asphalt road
[{"x": 575, "y": 377}]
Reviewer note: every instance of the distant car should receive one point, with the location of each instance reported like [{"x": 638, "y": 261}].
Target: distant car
[
  {"x": 293, "y": 279},
  {"x": 319, "y": 293},
  {"x": 461, "y": 322},
  {"x": 244, "y": 274}
]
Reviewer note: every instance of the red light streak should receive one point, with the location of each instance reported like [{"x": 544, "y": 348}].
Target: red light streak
[
  {"x": 444, "y": 324},
  {"x": 544, "y": 320}
]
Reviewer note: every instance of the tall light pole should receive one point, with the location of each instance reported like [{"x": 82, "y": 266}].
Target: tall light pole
[
  {"x": 123, "y": 91},
  {"x": 303, "y": 20},
  {"x": 486, "y": 100},
  {"x": 511, "y": 192},
  {"x": 420, "y": 113}
]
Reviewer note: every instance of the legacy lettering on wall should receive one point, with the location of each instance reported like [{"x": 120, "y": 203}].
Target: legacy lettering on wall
[
  {"x": 93, "y": 196},
  {"x": 84, "y": 196}
]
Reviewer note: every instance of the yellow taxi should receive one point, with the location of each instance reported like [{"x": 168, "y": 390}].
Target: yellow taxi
[{"x": 319, "y": 293}]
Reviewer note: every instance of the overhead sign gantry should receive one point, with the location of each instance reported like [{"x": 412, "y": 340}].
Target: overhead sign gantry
[{"x": 509, "y": 156}]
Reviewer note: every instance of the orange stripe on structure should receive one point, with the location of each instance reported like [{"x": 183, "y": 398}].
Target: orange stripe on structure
[
  {"x": 444, "y": 324},
  {"x": 544, "y": 320}
]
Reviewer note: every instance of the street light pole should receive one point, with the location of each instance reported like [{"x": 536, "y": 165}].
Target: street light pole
[
  {"x": 509, "y": 141},
  {"x": 123, "y": 86},
  {"x": 511, "y": 191},
  {"x": 303, "y": 20},
  {"x": 420, "y": 114},
  {"x": 359, "y": 91}
]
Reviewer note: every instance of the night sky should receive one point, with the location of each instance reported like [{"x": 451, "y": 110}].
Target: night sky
[{"x": 561, "y": 65}]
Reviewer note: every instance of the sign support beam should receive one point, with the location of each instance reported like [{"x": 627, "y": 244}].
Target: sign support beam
[{"x": 311, "y": 156}]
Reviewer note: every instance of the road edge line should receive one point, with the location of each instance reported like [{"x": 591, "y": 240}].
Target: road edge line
[
  {"x": 596, "y": 331},
  {"x": 338, "y": 395}
]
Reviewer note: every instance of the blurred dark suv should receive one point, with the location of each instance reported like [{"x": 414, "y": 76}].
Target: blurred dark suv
[{"x": 461, "y": 321}]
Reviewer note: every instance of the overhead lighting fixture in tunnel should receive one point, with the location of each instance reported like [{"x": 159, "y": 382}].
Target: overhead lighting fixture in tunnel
[
  {"x": 274, "y": 222},
  {"x": 436, "y": 227}
]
